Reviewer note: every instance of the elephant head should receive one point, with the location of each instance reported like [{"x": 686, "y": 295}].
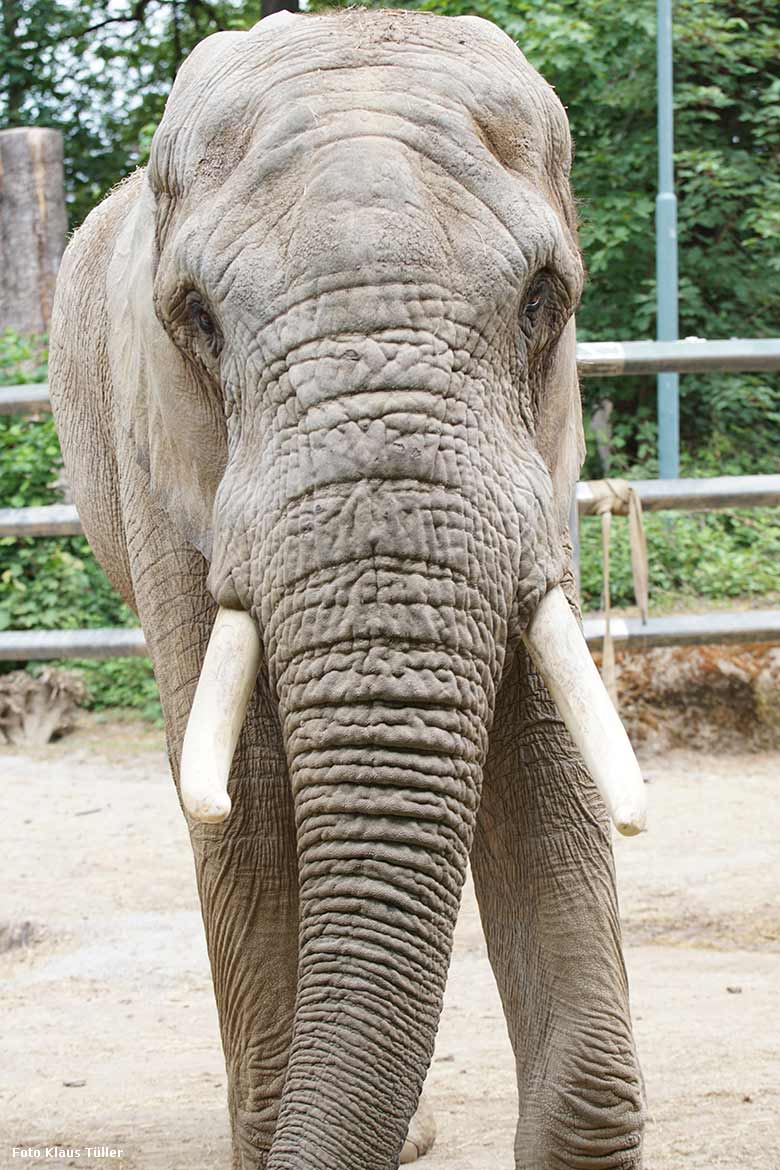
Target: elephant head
[{"x": 343, "y": 312}]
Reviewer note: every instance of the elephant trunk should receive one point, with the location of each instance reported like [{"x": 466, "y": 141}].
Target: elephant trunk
[{"x": 385, "y": 763}]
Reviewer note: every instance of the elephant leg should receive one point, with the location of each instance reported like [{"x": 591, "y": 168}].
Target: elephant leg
[
  {"x": 545, "y": 882},
  {"x": 247, "y": 880},
  {"x": 246, "y": 867}
]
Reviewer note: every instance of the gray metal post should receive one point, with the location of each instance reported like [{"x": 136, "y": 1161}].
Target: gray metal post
[{"x": 666, "y": 251}]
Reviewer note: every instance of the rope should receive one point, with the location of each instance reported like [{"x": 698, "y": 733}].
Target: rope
[{"x": 617, "y": 497}]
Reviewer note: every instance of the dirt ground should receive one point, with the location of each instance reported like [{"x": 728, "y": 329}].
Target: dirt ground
[{"x": 110, "y": 1032}]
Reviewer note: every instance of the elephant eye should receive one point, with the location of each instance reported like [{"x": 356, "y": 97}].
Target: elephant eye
[
  {"x": 534, "y": 300},
  {"x": 199, "y": 316},
  {"x": 203, "y": 321}
]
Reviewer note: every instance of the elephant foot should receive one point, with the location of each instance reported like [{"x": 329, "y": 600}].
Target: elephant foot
[{"x": 421, "y": 1134}]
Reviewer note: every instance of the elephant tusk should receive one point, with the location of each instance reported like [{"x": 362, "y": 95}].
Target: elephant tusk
[
  {"x": 560, "y": 654},
  {"x": 225, "y": 686}
]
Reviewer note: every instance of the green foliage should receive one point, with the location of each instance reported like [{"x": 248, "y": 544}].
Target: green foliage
[
  {"x": 22, "y": 359},
  {"x": 713, "y": 556},
  {"x": 50, "y": 583},
  {"x": 100, "y": 71},
  {"x": 600, "y": 57},
  {"x": 119, "y": 682}
]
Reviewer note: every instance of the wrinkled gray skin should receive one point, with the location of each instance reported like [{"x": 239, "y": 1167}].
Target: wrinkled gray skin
[{"x": 315, "y": 363}]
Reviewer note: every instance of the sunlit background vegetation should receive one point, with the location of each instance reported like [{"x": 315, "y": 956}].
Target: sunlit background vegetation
[{"x": 100, "y": 73}]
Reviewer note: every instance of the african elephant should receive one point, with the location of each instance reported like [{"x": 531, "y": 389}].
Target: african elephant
[{"x": 313, "y": 371}]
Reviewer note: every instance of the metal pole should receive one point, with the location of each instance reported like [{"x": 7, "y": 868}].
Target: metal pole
[{"x": 666, "y": 251}]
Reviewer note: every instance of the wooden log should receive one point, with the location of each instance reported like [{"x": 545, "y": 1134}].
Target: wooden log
[{"x": 33, "y": 224}]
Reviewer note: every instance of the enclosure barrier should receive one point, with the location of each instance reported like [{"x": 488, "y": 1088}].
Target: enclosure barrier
[
  {"x": 686, "y": 629},
  {"x": 41, "y": 645},
  {"x": 48, "y": 520},
  {"x": 694, "y": 355},
  {"x": 32, "y": 399},
  {"x": 656, "y": 495},
  {"x": 753, "y": 626},
  {"x": 689, "y": 495},
  {"x": 594, "y": 360},
  {"x": 693, "y": 495}
]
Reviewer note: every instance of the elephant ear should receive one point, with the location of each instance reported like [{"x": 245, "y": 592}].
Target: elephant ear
[
  {"x": 559, "y": 434},
  {"x": 171, "y": 413}
]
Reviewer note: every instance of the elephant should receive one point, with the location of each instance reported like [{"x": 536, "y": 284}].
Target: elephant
[{"x": 313, "y": 370}]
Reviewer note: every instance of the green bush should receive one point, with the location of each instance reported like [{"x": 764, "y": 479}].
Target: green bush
[
  {"x": 22, "y": 359},
  {"x": 714, "y": 556},
  {"x": 601, "y": 59},
  {"x": 51, "y": 583},
  {"x": 120, "y": 682}
]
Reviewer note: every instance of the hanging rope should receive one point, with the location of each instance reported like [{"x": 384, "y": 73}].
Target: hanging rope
[{"x": 616, "y": 497}]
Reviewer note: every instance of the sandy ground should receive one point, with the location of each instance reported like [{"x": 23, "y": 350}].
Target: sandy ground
[{"x": 110, "y": 1034}]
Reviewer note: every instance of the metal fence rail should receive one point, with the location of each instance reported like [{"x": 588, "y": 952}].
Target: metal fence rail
[
  {"x": 24, "y": 399},
  {"x": 39, "y": 645},
  {"x": 752, "y": 626},
  {"x": 594, "y": 360},
  {"x": 696, "y": 495},
  {"x": 694, "y": 355},
  {"x": 687, "y": 629},
  {"x": 657, "y": 495},
  {"x": 689, "y": 495},
  {"x": 48, "y": 520}
]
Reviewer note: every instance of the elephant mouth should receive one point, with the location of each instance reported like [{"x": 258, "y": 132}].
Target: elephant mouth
[{"x": 554, "y": 641}]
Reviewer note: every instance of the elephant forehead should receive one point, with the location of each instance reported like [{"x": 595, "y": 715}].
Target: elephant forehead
[{"x": 280, "y": 79}]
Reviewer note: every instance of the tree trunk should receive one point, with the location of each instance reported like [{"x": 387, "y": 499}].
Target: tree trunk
[{"x": 33, "y": 224}]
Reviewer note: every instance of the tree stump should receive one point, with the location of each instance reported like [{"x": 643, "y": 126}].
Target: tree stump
[{"x": 33, "y": 224}]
